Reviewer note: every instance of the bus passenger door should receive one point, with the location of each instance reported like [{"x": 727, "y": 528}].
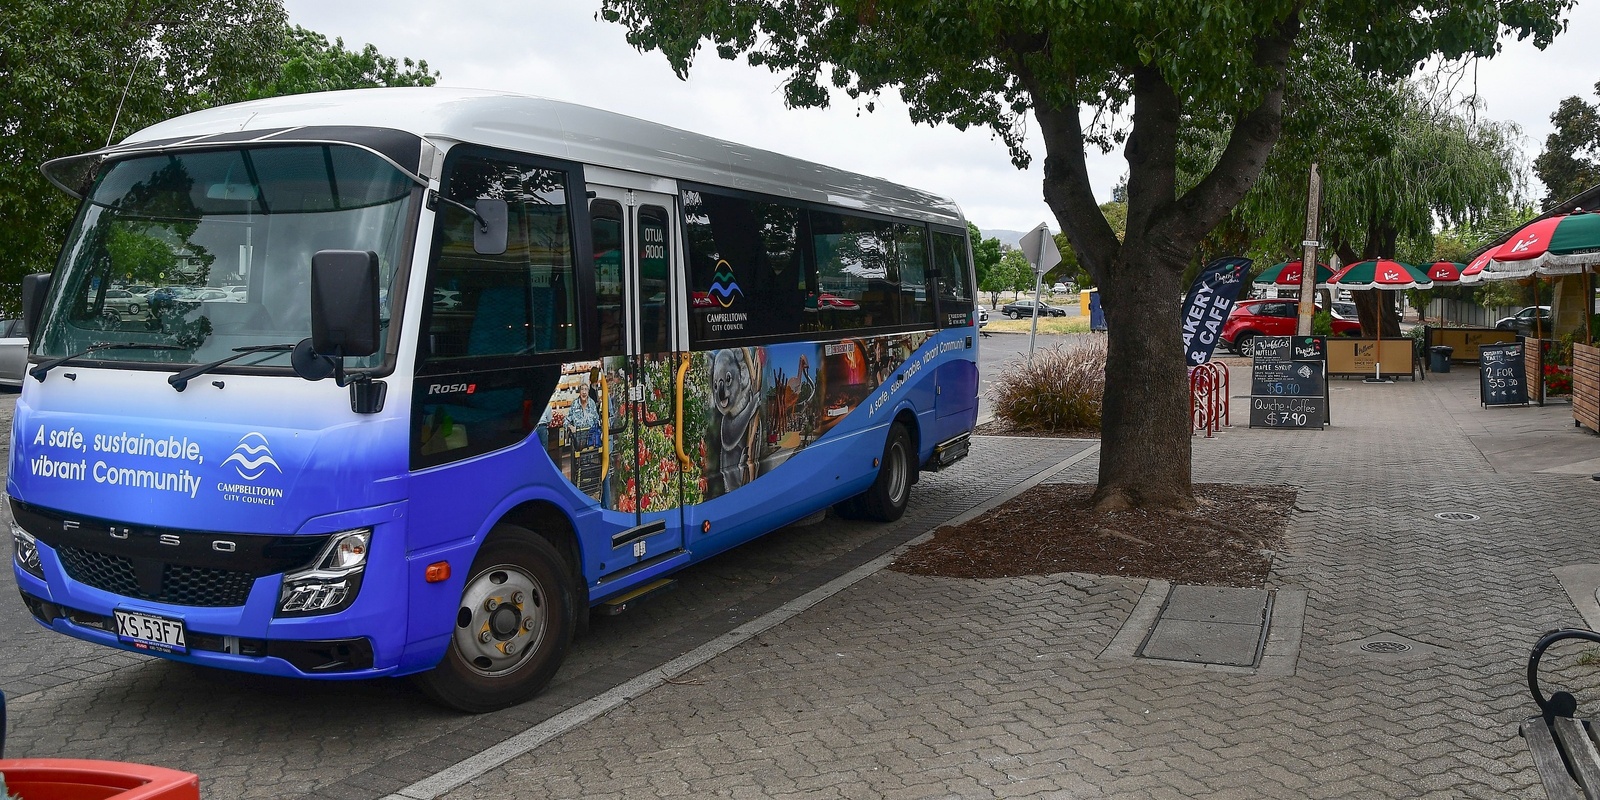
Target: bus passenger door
[{"x": 635, "y": 250}]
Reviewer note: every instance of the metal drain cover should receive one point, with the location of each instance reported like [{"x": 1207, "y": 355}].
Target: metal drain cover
[
  {"x": 1386, "y": 647},
  {"x": 1456, "y": 516}
]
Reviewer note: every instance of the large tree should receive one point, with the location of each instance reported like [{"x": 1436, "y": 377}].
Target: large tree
[
  {"x": 1077, "y": 69},
  {"x": 1569, "y": 164},
  {"x": 309, "y": 63},
  {"x": 1410, "y": 157},
  {"x": 81, "y": 73}
]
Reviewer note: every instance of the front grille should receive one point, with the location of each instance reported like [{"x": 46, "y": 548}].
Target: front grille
[{"x": 178, "y": 584}]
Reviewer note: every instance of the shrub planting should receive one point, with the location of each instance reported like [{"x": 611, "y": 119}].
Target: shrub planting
[{"x": 1059, "y": 391}]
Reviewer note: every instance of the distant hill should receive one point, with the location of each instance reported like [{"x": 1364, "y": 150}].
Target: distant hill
[{"x": 1006, "y": 237}]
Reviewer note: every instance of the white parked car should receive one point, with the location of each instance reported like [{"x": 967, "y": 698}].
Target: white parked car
[{"x": 13, "y": 353}]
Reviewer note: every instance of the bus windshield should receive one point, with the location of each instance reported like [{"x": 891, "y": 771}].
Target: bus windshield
[{"x": 199, "y": 253}]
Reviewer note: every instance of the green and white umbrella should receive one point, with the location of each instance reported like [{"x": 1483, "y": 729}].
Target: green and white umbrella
[{"x": 1382, "y": 273}]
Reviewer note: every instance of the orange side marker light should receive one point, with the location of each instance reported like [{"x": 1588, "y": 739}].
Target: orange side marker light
[{"x": 438, "y": 572}]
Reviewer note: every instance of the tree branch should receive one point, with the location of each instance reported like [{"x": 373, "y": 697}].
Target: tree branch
[
  {"x": 1066, "y": 182},
  {"x": 1201, "y": 208}
]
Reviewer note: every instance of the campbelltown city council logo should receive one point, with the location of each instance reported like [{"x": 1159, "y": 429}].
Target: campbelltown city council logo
[
  {"x": 251, "y": 457},
  {"x": 723, "y": 286}
]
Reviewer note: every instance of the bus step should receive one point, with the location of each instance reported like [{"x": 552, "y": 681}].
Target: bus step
[
  {"x": 949, "y": 452},
  {"x": 623, "y": 602}
]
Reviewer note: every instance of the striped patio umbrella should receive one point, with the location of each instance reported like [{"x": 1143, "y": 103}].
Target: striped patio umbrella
[
  {"x": 1474, "y": 271},
  {"x": 1286, "y": 274},
  {"x": 1568, "y": 244},
  {"x": 1382, "y": 273}
]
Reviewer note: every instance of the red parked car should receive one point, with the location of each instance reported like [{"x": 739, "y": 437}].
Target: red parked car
[{"x": 1271, "y": 317}]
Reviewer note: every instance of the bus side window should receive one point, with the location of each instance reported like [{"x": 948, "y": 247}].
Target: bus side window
[
  {"x": 606, "y": 229},
  {"x": 857, "y": 276},
  {"x": 523, "y": 301},
  {"x": 911, "y": 253},
  {"x": 746, "y": 274},
  {"x": 499, "y": 325},
  {"x": 954, "y": 279}
]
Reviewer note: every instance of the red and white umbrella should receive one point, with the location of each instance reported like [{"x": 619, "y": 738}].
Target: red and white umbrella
[
  {"x": 1474, "y": 271},
  {"x": 1445, "y": 273},
  {"x": 1567, "y": 244}
]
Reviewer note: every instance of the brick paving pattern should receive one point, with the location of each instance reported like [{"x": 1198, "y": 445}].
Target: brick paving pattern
[
  {"x": 256, "y": 737},
  {"x": 907, "y": 686}
]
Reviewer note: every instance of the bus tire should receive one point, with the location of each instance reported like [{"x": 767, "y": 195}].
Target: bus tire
[
  {"x": 886, "y": 500},
  {"x": 515, "y": 620}
]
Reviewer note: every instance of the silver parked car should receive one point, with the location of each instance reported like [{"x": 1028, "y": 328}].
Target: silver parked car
[{"x": 13, "y": 353}]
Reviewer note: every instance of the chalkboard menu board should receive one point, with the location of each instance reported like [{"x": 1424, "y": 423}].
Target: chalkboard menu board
[
  {"x": 1502, "y": 378},
  {"x": 1288, "y": 382}
]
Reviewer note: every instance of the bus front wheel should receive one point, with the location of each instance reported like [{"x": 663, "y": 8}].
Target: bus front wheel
[{"x": 512, "y": 628}]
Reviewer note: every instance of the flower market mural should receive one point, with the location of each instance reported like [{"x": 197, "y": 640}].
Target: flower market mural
[{"x": 746, "y": 410}]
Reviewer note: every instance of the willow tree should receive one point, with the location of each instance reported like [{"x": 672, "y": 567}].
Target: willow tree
[
  {"x": 1009, "y": 64},
  {"x": 1409, "y": 158}
]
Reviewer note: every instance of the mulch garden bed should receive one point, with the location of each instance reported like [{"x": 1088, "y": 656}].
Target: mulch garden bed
[{"x": 1228, "y": 540}]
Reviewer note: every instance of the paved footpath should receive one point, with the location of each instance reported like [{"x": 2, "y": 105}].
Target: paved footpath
[{"x": 904, "y": 686}]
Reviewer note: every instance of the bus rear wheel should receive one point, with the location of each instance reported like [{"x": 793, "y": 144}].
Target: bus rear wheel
[
  {"x": 513, "y": 625},
  {"x": 886, "y": 499}
]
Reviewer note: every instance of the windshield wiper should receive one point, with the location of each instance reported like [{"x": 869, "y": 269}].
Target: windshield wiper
[
  {"x": 181, "y": 380},
  {"x": 42, "y": 370}
]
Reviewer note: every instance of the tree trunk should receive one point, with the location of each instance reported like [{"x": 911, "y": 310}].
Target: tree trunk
[
  {"x": 1374, "y": 305},
  {"x": 1144, "y": 424}
]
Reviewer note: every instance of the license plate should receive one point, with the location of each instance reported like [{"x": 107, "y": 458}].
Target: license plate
[{"x": 149, "y": 632}]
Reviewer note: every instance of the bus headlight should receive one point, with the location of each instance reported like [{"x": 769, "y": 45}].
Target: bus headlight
[
  {"x": 333, "y": 580},
  {"x": 26, "y": 550}
]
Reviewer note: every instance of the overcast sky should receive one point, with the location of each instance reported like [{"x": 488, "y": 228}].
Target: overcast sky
[{"x": 558, "y": 49}]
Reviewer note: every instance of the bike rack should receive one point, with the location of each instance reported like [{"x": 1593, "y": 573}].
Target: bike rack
[{"x": 1208, "y": 398}]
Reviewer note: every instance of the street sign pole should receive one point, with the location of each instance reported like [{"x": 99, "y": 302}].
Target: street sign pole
[
  {"x": 1033, "y": 333},
  {"x": 1040, "y": 250}
]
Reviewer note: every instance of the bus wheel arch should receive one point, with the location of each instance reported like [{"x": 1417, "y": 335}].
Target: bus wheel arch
[
  {"x": 886, "y": 499},
  {"x": 908, "y": 419},
  {"x": 517, "y": 616}
]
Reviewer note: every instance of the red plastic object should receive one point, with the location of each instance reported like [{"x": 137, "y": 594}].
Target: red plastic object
[{"x": 78, "y": 779}]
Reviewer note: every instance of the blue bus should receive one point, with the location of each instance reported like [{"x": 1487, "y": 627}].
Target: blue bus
[{"x": 418, "y": 377}]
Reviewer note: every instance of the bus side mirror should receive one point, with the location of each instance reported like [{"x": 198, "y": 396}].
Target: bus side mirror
[
  {"x": 35, "y": 288},
  {"x": 344, "y": 303},
  {"x": 489, "y": 232}
]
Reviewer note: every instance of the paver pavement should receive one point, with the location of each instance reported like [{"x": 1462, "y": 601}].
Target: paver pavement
[{"x": 906, "y": 686}]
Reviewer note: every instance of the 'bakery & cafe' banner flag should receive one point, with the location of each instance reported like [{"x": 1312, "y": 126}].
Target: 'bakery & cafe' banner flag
[{"x": 1207, "y": 306}]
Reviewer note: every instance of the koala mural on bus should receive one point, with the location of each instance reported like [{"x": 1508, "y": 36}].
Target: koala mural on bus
[{"x": 735, "y": 417}]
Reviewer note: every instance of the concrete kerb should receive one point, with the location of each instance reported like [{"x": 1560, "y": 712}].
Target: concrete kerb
[{"x": 477, "y": 765}]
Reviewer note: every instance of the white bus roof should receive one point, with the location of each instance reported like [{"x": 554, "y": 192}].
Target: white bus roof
[{"x": 569, "y": 131}]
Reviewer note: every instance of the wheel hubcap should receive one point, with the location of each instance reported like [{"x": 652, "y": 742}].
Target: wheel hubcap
[
  {"x": 501, "y": 620},
  {"x": 896, "y": 465}
]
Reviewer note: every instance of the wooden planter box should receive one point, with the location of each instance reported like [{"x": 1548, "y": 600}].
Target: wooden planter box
[
  {"x": 1533, "y": 362},
  {"x": 1586, "y": 386},
  {"x": 77, "y": 779}
]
